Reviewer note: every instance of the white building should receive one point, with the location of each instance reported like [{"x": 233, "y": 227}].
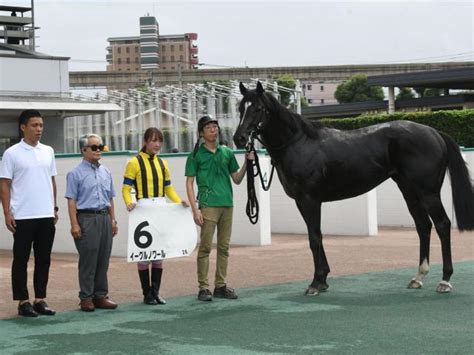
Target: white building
[{"x": 32, "y": 80}]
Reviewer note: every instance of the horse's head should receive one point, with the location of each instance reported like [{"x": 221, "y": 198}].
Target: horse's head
[{"x": 254, "y": 111}]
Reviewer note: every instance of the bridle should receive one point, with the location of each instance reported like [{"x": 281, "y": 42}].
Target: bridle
[
  {"x": 252, "y": 208},
  {"x": 257, "y": 131}
]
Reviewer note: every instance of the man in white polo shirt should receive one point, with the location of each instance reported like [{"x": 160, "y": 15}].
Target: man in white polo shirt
[{"x": 28, "y": 193}]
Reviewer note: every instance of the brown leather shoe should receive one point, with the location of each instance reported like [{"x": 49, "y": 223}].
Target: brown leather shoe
[
  {"x": 87, "y": 305},
  {"x": 104, "y": 303}
]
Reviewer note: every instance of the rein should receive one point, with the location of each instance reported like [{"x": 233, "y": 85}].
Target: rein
[{"x": 252, "y": 207}]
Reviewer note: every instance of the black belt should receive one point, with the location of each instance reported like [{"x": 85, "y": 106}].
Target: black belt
[{"x": 104, "y": 211}]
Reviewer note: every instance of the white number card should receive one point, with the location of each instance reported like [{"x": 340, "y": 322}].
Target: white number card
[{"x": 158, "y": 232}]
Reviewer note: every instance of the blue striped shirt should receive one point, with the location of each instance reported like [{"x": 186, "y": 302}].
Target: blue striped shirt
[{"x": 90, "y": 185}]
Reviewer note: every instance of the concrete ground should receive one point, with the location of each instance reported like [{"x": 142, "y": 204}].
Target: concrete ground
[{"x": 287, "y": 259}]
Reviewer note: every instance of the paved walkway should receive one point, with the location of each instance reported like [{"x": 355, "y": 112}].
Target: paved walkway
[{"x": 288, "y": 259}]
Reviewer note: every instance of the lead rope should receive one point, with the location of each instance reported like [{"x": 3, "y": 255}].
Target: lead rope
[{"x": 252, "y": 207}]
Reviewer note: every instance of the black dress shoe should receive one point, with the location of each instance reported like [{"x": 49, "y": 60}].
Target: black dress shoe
[
  {"x": 41, "y": 307},
  {"x": 150, "y": 299},
  {"x": 26, "y": 310}
]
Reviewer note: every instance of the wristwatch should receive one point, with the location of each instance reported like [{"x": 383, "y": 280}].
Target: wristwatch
[
  {"x": 114, "y": 221},
  {"x": 56, "y": 208}
]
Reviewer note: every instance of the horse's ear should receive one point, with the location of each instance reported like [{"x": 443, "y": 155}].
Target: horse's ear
[
  {"x": 259, "y": 88},
  {"x": 243, "y": 89}
]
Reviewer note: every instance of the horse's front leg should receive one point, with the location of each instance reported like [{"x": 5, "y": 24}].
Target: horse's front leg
[{"x": 311, "y": 212}]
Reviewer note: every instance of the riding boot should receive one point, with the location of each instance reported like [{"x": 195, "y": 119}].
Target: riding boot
[
  {"x": 147, "y": 291},
  {"x": 155, "y": 285}
]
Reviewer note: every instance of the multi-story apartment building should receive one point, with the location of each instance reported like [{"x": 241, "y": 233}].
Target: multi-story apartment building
[
  {"x": 152, "y": 51},
  {"x": 319, "y": 93},
  {"x": 178, "y": 50},
  {"x": 123, "y": 54}
]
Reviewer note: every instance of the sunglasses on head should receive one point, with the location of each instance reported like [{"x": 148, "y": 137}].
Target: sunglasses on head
[{"x": 95, "y": 147}]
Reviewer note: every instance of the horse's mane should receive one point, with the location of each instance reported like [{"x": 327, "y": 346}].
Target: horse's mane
[{"x": 311, "y": 128}]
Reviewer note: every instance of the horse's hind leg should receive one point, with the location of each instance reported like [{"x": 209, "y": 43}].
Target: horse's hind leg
[
  {"x": 311, "y": 212},
  {"x": 423, "y": 227},
  {"x": 443, "y": 228}
]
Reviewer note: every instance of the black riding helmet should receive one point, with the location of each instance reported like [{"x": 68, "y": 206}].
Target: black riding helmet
[{"x": 204, "y": 120}]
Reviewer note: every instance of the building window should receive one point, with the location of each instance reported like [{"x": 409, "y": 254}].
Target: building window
[
  {"x": 119, "y": 61},
  {"x": 181, "y": 47},
  {"x": 172, "y": 47},
  {"x": 119, "y": 50},
  {"x": 309, "y": 87},
  {"x": 181, "y": 58},
  {"x": 310, "y": 101},
  {"x": 322, "y": 87},
  {"x": 127, "y": 49},
  {"x": 136, "y": 59},
  {"x": 322, "y": 101},
  {"x": 136, "y": 49},
  {"x": 172, "y": 68},
  {"x": 163, "y": 59},
  {"x": 172, "y": 58},
  {"x": 128, "y": 60},
  {"x": 163, "y": 47}
]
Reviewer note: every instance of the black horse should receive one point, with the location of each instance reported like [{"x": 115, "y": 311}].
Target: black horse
[{"x": 318, "y": 164}]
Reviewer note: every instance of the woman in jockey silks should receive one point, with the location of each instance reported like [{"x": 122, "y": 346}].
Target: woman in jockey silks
[{"x": 149, "y": 175}]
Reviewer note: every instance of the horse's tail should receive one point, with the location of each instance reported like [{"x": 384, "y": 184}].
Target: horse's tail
[{"x": 461, "y": 186}]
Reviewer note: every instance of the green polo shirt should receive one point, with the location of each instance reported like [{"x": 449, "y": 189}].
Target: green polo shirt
[{"x": 212, "y": 172}]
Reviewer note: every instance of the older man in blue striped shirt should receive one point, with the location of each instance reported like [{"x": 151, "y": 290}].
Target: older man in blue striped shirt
[{"x": 90, "y": 192}]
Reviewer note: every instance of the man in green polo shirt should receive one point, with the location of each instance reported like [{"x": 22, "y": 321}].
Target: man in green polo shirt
[{"x": 213, "y": 166}]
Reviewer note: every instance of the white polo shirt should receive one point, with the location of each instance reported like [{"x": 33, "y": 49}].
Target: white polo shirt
[{"x": 30, "y": 169}]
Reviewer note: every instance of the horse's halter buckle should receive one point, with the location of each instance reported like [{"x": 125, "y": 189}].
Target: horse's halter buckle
[{"x": 253, "y": 134}]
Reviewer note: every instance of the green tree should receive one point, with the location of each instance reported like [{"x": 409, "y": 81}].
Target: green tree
[
  {"x": 405, "y": 93},
  {"x": 420, "y": 91},
  {"x": 356, "y": 89},
  {"x": 287, "y": 81},
  {"x": 428, "y": 92},
  {"x": 304, "y": 101},
  {"x": 433, "y": 92},
  {"x": 145, "y": 89}
]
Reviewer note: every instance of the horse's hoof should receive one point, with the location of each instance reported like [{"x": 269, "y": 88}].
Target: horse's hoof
[
  {"x": 415, "y": 284},
  {"x": 323, "y": 287},
  {"x": 311, "y": 291},
  {"x": 444, "y": 287}
]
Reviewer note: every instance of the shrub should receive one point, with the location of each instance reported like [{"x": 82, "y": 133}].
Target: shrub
[{"x": 459, "y": 124}]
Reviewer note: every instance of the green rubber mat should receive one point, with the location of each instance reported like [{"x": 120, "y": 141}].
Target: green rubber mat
[{"x": 363, "y": 314}]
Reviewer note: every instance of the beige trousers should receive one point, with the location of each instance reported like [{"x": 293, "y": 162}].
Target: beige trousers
[{"x": 220, "y": 217}]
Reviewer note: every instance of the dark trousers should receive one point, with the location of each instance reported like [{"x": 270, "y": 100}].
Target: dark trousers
[{"x": 39, "y": 233}]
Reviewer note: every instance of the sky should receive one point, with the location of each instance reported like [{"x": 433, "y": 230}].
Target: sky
[{"x": 265, "y": 33}]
